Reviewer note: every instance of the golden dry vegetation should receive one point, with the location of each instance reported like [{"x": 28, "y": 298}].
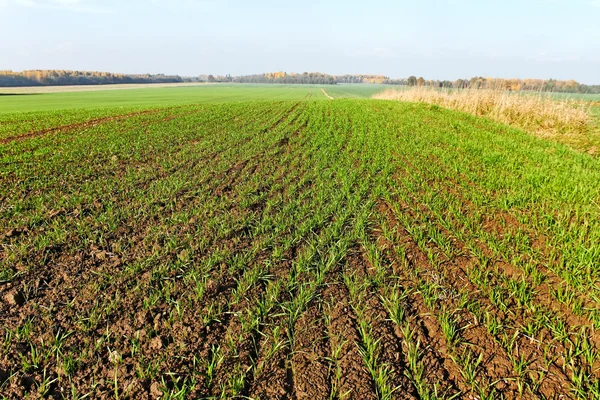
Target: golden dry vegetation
[{"x": 566, "y": 120}]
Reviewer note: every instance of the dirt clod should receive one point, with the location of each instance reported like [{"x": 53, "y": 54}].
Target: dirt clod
[
  {"x": 155, "y": 391},
  {"x": 211, "y": 287},
  {"x": 12, "y": 232},
  {"x": 14, "y": 298},
  {"x": 156, "y": 343}
]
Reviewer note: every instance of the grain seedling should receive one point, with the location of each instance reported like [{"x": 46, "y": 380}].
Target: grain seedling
[{"x": 230, "y": 220}]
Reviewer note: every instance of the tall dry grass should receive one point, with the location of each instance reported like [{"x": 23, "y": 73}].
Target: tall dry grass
[{"x": 537, "y": 113}]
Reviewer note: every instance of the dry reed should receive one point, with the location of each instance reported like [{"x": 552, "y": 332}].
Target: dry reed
[{"x": 537, "y": 113}]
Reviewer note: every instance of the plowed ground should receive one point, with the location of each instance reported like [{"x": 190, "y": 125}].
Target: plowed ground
[{"x": 345, "y": 249}]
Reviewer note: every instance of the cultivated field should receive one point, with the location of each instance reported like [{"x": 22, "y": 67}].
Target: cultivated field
[
  {"x": 303, "y": 248},
  {"x": 93, "y": 88},
  {"x": 152, "y": 96}
]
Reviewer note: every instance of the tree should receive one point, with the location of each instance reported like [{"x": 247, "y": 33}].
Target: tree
[
  {"x": 412, "y": 80},
  {"x": 460, "y": 84}
]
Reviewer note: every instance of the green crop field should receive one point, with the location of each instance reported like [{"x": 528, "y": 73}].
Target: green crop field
[
  {"x": 154, "y": 97},
  {"x": 30, "y": 100},
  {"x": 266, "y": 242},
  {"x": 578, "y": 96}
]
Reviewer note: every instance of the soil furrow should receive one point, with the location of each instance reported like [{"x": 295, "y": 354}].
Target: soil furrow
[
  {"x": 353, "y": 381},
  {"x": 86, "y": 124},
  {"x": 392, "y": 353},
  {"x": 309, "y": 362}
]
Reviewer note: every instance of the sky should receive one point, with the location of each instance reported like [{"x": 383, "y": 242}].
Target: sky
[{"x": 436, "y": 39}]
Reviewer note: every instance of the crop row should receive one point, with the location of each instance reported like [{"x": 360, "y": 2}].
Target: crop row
[{"x": 339, "y": 249}]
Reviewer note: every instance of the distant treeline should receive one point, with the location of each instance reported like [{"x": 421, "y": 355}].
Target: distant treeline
[
  {"x": 380, "y": 79},
  {"x": 284, "y": 77},
  {"x": 540, "y": 85},
  {"x": 61, "y": 78},
  {"x": 303, "y": 78}
]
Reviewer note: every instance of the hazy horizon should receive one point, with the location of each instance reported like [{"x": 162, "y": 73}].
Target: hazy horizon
[{"x": 450, "y": 39}]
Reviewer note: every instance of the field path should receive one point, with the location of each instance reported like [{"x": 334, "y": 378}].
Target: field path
[{"x": 326, "y": 95}]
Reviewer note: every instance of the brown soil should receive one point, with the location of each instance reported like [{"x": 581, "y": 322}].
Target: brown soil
[
  {"x": 310, "y": 368},
  {"x": 393, "y": 352},
  {"x": 355, "y": 381}
]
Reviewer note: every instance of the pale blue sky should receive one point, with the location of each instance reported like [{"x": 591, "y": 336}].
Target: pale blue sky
[{"x": 443, "y": 39}]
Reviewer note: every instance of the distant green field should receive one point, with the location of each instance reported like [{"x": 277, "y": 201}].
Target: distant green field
[
  {"x": 154, "y": 97},
  {"x": 577, "y": 96},
  {"x": 171, "y": 96},
  {"x": 354, "y": 91}
]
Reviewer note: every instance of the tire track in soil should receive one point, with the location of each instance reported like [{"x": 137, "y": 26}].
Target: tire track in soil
[
  {"x": 87, "y": 124},
  {"x": 250, "y": 348},
  {"x": 326, "y": 95},
  {"x": 283, "y": 377},
  {"x": 497, "y": 365}
]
